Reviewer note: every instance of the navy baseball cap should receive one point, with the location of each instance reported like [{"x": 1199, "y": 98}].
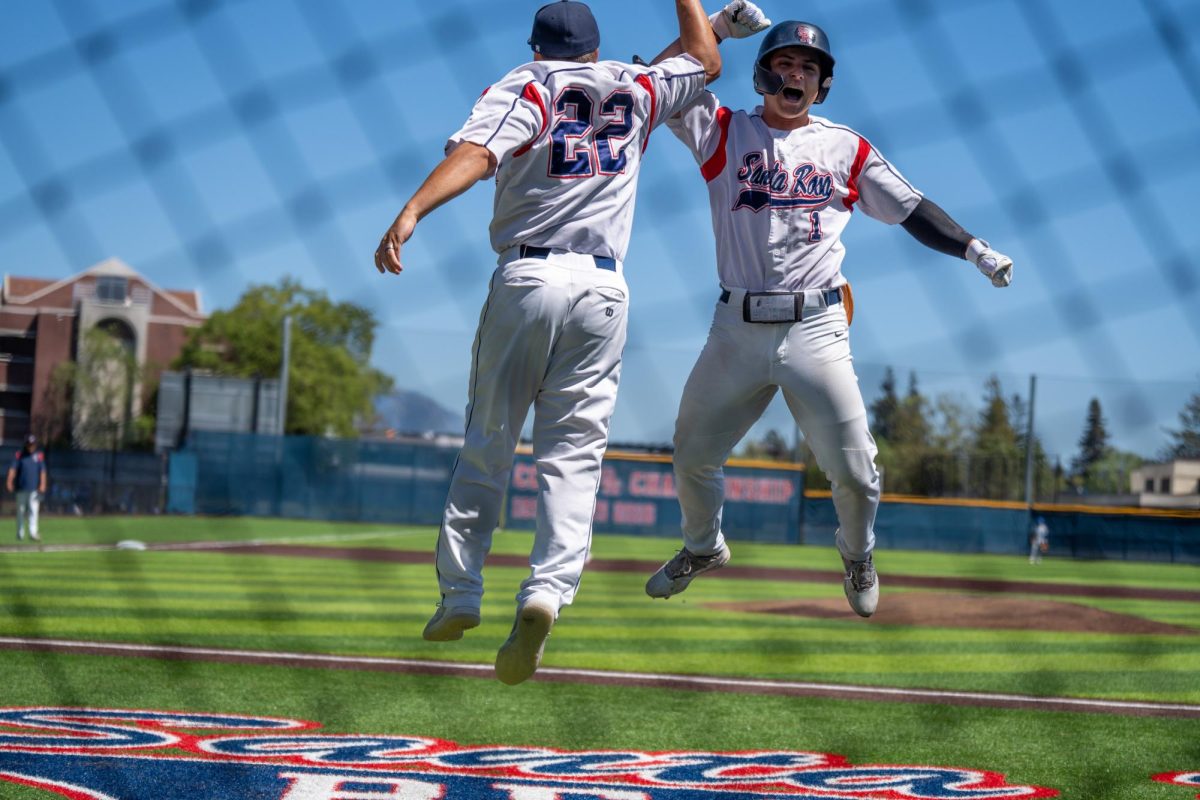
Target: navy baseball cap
[{"x": 565, "y": 29}]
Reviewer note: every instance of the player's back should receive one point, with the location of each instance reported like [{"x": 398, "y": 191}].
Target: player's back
[
  {"x": 568, "y": 139},
  {"x": 574, "y": 185}
]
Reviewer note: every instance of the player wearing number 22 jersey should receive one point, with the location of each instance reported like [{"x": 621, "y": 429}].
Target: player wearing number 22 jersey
[
  {"x": 570, "y": 139},
  {"x": 564, "y": 137}
]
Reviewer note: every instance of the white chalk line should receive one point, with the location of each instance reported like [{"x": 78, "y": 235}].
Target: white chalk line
[
  {"x": 642, "y": 678},
  {"x": 214, "y": 545}
]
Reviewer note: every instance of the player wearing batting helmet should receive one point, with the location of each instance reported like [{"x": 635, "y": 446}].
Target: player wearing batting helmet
[
  {"x": 782, "y": 183},
  {"x": 564, "y": 137}
]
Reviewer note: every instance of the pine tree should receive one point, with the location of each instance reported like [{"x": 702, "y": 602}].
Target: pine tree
[
  {"x": 1093, "y": 444},
  {"x": 997, "y": 470},
  {"x": 912, "y": 417},
  {"x": 1186, "y": 440},
  {"x": 885, "y": 408}
]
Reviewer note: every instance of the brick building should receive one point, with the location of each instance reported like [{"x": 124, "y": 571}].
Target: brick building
[{"x": 41, "y": 322}]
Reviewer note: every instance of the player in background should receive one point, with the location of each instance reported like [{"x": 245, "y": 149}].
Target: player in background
[
  {"x": 564, "y": 137},
  {"x": 782, "y": 184},
  {"x": 1039, "y": 540},
  {"x": 27, "y": 480}
]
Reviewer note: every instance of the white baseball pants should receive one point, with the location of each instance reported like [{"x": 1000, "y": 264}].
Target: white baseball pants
[
  {"x": 741, "y": 367},
  {"x": 27, "y": 514},
  {"x": 550, "y": 335}
]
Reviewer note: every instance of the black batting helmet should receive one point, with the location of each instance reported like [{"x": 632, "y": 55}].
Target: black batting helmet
[{"x": 792, "y": 33}]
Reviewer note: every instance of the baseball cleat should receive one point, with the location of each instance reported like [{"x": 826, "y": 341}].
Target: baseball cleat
[
  {"x": 861, "y": 585},
  {"x": 448, "y": 623},
  {"x": 520, "y": 655},
  {"x": 675, "y": 575}
]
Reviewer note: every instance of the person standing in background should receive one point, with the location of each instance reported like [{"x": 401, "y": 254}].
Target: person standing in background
[
  {"x": 1039, "y": 540},
  {"x": 27, "y": 478}
]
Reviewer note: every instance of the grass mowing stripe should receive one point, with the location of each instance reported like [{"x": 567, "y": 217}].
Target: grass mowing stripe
[{"x": 610, "y": 677}]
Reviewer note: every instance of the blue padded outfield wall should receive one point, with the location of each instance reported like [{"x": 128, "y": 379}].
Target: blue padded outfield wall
[
  {"x": 637, "y": 497},
  {"x": 311, "y": 477},
  {"x": 406, "y": 483},
  {"x": 966, "y": 526}
]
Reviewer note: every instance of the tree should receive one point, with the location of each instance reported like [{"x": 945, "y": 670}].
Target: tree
[
  {"x": 1110, "y": 473},
  {"x": 1186, "y": 441},
  {"x": 331, "y": 386},
  {"x": 99, "y": 389},
  {"x": 997, "y": 471},
  {"x": 1093, "y": 443},
  {"x": 772, "y": 447},
  {"x": 885, "y": 408},
  {"x": 912, "y": 417},
  {"x": 904, "y": 448}
]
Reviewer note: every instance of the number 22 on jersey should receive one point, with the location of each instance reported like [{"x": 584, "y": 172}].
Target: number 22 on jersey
[{"x": 577, "y": 152}]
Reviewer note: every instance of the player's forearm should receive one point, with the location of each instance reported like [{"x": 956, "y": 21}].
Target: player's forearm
[
  {"x": 696, "y": 37},
  {"x": 466, "y": 165},
  {"x": 933, "y": 227}
]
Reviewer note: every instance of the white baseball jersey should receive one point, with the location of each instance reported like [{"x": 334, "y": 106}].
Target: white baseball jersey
[
  {"x": 568, "y": 140},
  {"x": 781, "y": 199}
]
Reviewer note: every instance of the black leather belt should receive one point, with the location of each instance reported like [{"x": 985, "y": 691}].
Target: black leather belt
[
  {"x": 832, "y": 296},
  {"x": 602, "y": 262}
]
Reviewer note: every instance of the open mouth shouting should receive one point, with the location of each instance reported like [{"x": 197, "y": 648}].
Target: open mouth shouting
[{"x": 792, "y": 94}]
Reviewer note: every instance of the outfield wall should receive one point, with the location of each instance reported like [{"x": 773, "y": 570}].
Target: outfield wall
[
  {"x": 406, "y": 483},
  {"x": 979, "y": 526},
  {"x": 637, "y": 497}
]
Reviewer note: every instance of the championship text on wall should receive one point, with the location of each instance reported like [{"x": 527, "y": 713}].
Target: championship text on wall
[{"x": 637, "y": 496}]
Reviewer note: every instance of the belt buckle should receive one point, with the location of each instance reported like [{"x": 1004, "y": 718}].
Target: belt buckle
[{"x": 772, "y": 307}]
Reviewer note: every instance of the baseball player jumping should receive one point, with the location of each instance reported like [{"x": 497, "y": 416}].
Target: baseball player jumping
[
  {"x": 782, "y": 185},
  {"x": 564, "y": 136}
]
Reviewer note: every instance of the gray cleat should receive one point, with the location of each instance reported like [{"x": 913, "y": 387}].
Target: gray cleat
[
  {"x": 675, "y": 575},
  {"x": 521, "y": 654},
  {"x": 861, "y": 585},
  {"x": 448, "y": 623}
]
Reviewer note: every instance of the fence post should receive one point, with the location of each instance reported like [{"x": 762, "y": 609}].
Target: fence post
[{"x": 1029, "y": 449}]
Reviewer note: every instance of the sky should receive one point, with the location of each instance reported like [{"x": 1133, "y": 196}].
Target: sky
[{"x": 218, "y": 144}]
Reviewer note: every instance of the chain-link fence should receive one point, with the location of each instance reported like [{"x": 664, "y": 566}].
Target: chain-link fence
[{"x": 219, "y": 143}]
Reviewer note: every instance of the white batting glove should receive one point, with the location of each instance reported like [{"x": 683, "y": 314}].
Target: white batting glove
[
  {"x": 995, "y": 266},
  {"x": 739, "y": 19}
]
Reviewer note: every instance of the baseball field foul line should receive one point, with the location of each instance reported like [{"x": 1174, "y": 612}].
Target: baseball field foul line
[{"x": 702, "y": 683}]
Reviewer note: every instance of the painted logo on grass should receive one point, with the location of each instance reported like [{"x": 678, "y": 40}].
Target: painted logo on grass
[
  {"x": 107, "y": 754},
  {"x": 1180, "y": 779}
]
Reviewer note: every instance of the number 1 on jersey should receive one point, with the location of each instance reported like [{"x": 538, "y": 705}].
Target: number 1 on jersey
[{"x": 814, "y": 226}]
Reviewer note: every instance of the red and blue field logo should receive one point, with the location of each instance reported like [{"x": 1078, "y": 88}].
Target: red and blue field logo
[{"x": 112, "y": 754}]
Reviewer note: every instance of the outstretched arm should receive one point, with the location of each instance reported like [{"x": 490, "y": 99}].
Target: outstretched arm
[
  {"x": 933, "y": 227},
  {"x": 466, "y": 164},
  {"x": 738, "y": 20},
  {"x": 696, "y": 37}
]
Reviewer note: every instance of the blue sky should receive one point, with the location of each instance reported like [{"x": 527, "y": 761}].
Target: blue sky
[{"x": 215, "y": 145}]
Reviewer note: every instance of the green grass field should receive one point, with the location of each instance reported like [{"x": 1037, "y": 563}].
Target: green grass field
[{"x": 362, "y": 608}]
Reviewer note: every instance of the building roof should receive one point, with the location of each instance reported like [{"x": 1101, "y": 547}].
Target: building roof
[{"x": 27, "y": 291}]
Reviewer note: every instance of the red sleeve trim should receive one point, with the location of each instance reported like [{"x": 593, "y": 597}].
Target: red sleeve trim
[
  {"x": 531, "y": 94},
  {"x": 647, "y": 84},
  {"x": 860, "y": 160},
  {"x": 716, "y": 162}
]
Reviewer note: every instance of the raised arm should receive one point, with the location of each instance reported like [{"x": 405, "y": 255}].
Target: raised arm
[
  {"x": 457, "y": 172},
  {"x": 933, "y": 227},
  {"x": 696, "y": 37},
  {"x": 738, "y": 20}
]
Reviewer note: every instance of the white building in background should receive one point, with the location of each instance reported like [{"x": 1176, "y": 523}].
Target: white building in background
[{"x": 1175, "y": 484}]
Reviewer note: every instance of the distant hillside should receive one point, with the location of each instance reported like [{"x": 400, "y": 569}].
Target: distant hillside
[{"x": 413, "y": 412}]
